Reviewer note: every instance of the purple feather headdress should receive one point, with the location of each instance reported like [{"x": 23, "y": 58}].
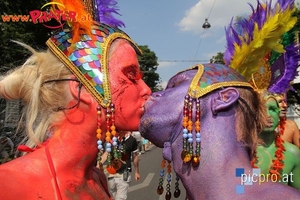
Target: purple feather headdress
[
  {"x": 104, "y": 10},
  {"x": 284, "y": 68},
  {"x": 281, "y": 58}
]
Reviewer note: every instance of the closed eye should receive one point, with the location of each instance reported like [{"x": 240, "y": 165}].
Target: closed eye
[{"x": 133, "y": 73}]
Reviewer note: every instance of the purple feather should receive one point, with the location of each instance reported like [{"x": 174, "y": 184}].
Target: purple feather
[
  {"x": 285, "y": 3},
  {"x": 105, "y": 10},
  {"x": 288, "y": 70},
  {"x": 245, "y": 25}
]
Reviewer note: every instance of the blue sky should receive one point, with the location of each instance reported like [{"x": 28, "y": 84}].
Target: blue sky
[{"x": 173, "y": 29}]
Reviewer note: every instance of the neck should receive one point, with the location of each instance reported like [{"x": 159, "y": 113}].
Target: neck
[
  {"x": 267, "y": 137},
  {"x": 73, "y": 144}
]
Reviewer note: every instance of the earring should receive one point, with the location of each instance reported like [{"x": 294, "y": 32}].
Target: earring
[
  {"x": 169, "y": 178},
  {"x": 116, "y": 163},
  {"x": 112, "y": 145},
  {"x": 196, "y": 156},
  {"x": 185, "y": 154},
  {"x": 108, "y": 145},
  {"x": 99, "y": 135},
  {"x": 160, "y": 188},
  {"x": 188, "y": 153},
  {"x": 177, "y": 191}
]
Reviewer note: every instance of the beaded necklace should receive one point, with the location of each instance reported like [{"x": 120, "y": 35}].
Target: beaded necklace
[{"x": 278, "y": 164}]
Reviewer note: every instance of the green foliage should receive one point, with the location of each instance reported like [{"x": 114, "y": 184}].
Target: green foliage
[
  {"x": 218, "y": 58},
  {"x": 148, "y": 64},
  {"x": 34, "y": 35}
]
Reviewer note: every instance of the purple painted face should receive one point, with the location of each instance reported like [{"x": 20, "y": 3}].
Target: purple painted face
[
  {"x": 164, "y": 110},
  {"x": 206, "y": 93}
]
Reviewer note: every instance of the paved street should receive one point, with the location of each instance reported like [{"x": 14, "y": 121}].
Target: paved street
[{"x": 150, "y": 166}]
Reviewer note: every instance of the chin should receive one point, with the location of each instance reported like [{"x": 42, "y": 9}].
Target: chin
[
  {"x": 269, "y": 130},
  {"x": 132, "y": 125}
]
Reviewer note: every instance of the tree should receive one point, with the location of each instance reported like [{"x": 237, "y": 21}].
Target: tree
[
  {"x": 218, "y": 58},
  {"x": 148, "y": 64},
  {"x": 29, "y": 33}
]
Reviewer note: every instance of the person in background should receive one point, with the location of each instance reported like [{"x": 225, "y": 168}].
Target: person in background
[
  {"x": 277, "y": 158},
  {"x": 137, "y": 136},
  {"x": 118, "y": 183},
  {"x": 291, "y": 131},
  {"x": 145, "y": 143},
  {"x": 4, "y": 142}
]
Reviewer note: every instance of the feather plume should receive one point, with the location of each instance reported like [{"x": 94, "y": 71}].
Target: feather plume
[
  {"x": 105, "y": 10},
  {"x": 258, "y": 36},
  {"x": 284, "y": 65},
  {"x": 81, "y": 25},
  {"x": 101, "y": 10}
]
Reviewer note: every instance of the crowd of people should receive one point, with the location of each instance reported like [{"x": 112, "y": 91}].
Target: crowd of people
[{"x": 6, "y": 142}]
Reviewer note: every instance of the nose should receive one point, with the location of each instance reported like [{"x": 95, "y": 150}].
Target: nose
[
  {"x": 284, "y": 104},
  {"x": 145, "y": 90}
]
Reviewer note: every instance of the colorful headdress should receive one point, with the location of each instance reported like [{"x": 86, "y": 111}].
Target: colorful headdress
[
  {"x": 263, "y": 47},
  {"x": 208, "y": 78},
  {"x": 83, "y": 46}
]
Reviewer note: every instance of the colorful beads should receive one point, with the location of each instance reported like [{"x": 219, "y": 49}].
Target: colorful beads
[
  {"x": 169, "y": 178},
  {"x": 99, "y": 144},
  {"x": 99, "y": 135},
  {"x": 186, "y": 156},
  {"x": 189, "y": 128},
  {"x": 177, "y": 190},
  {"x": 160, "y": 188}
]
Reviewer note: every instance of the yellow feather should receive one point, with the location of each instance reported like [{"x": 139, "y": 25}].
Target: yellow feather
[{"x": 247, "y": 57}]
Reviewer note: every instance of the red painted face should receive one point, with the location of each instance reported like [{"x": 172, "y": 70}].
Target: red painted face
[{"x": 129, "y": 91}]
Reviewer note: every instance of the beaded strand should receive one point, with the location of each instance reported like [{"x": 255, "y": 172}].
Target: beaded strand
[{"x": 99, "y": 134}]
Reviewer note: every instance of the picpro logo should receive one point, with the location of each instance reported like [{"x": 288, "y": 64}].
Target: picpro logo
[{"x": 256, "y": 176}]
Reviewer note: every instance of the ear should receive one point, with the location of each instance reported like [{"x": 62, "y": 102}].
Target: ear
[
  {"x": 84, "y": 95},
  {"x": 224, "y": 99}
]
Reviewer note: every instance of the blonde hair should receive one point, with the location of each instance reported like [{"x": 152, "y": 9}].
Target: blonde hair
[{"x": 40, "y": 100}]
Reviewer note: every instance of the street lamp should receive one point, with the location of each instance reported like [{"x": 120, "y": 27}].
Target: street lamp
[{"x": 206, "y": 24}]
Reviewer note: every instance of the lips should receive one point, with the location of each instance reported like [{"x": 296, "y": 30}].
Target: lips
[{"x": 283, "y": 111}]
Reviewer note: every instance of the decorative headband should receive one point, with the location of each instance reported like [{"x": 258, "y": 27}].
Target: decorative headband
[
  {"x": 87, "y": 59},
  {"x": 208, "y": 78}
]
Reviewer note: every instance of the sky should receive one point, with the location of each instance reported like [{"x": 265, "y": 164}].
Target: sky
[{"x": 172, "y": 29}]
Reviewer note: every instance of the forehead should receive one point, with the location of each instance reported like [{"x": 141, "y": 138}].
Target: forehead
[
  {"x": 272, "y": 101},
  {"x": 280, "y": 97}
]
